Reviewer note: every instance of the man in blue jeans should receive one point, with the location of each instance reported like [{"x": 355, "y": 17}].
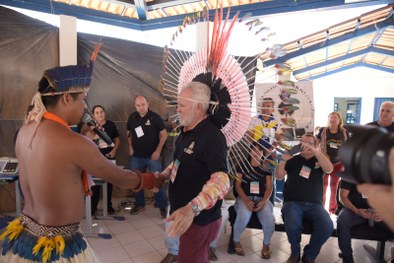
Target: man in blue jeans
[
  {"x": 303, "y": 195},
  {"x": 146, "y": 135}
]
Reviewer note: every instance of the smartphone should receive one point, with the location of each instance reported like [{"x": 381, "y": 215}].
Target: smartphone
[{"x": 295, "y": 149}]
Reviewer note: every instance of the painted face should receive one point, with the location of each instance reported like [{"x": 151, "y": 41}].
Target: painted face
[
  {"x": 141, "y": 105},
  {"x": 186, "y": 109},
  {"x": 386, "y": 113},
  {"x": 99, "y": 114}
]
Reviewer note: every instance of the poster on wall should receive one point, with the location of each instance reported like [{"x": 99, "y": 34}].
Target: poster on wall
[{"x": 293, "y": 104}]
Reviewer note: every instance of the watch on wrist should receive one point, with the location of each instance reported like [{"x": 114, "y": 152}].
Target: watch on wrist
[{"x": 196, "y": 208}]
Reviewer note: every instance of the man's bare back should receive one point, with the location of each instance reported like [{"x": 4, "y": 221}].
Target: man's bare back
[{"x": 50, "y": 168}]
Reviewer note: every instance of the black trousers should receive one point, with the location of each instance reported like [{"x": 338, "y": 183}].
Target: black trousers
[{"x": 96, "y": 189}]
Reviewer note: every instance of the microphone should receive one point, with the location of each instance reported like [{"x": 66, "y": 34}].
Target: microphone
[{"x": 88, "y": 119}]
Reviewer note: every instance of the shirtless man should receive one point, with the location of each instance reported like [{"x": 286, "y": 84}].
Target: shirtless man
[{"x": 52, "y": 160}]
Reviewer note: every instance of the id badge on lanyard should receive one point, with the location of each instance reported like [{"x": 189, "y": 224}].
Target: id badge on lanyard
[{"x": 174, "y": 170}]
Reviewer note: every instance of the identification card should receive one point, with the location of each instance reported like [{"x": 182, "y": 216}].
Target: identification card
[
  {"x": 174, "y": 170},
  {"x": 333, "y": 145},
  {"x": 254, "y": 187},
  {"x": 305, "y": 172},
  {"x": 139, "y": 131}
]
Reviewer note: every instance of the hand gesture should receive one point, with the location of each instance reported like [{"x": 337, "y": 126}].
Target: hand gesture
[{"x": 180, "y": 220}]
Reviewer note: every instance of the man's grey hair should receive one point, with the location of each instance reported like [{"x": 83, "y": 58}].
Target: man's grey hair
[{"x": 201, "y": 94}]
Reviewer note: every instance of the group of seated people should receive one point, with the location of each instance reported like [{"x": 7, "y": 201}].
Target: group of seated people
[{"x": 302, "y": 200}]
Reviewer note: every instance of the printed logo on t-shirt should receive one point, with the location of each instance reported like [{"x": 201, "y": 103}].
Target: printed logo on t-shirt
[
  {"x": 147, "y": 123},
  {"x": 189, "y": 150}
]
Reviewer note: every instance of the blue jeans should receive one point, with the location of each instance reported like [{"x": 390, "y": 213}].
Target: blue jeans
[
  {"x": 146, "y": 164},
  {"x": 346, "y": 220},
  {"x": 265, "y": 216},
  {"x": 293, "y": 214}
]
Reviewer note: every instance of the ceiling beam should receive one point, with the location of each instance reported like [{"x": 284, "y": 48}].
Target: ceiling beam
[
  {"x": 142, "y": 9},
  {"x": 157, "y": 4},
  {"x": 344, "y": 57},
  {"x": 351, "y": 35},
  {"x": 344, "y": 68},
  {"x": 257, "y": 9}
]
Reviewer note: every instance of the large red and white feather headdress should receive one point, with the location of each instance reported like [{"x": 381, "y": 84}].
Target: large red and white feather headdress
[{"x": 224, "y": 72}]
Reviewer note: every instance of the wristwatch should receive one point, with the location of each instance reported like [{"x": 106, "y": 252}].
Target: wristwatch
[{"x": 196, "y": 208}]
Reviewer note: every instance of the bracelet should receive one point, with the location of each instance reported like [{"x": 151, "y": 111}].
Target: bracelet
[{"x": 139, "y": 187}]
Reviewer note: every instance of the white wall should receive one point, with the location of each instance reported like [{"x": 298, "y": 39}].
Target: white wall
[{"x": 358, "y": 82}]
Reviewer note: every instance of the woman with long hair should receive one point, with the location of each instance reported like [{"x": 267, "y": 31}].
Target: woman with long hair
[{"x": 330, "y": 138}]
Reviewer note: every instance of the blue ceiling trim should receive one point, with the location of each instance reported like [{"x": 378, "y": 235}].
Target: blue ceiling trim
[
  {"x": 257, "y": 9},
  {"x": 355, "y": 34},
  {"x": 377, "y": 67},
  {"x": 141, "y": 8},
  {"x": 344, "y": 68},
  {"x": 344, "y": 57}
]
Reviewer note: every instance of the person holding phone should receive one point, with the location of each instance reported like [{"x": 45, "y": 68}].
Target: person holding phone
[
  {"x": 303, "y": 194},
  {"x": 254, "y": 190}
]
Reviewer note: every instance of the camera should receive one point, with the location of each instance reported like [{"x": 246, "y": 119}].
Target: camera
[{"x": 365, "y": 155}]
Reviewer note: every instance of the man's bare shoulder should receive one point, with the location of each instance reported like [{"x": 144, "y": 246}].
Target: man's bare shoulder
[{"x": 51, "y": 135}]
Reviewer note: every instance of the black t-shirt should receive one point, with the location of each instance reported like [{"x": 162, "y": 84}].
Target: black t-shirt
[
  {"x": 333, "y": 142},
  {"x": 110, "y": 129},
  {"x": 253, "y": 174},
  {"x": 144, "y": 133},
  {"x": 354, "y": 196},
  {"x": 298, "y": 188},
  {"x": 388, "y": 128},
  {"x": 198, "y": 153}
]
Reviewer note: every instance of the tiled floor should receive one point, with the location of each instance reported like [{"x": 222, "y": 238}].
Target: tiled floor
[{"x": 139, "y": 239}]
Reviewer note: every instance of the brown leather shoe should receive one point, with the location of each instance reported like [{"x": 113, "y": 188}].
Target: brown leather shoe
[
  {"x": 266, "y": 252},
  {"x": 238, "y": 249},
  {"x": 293, "y": 259},
  {"x": 170, "y": 258}
]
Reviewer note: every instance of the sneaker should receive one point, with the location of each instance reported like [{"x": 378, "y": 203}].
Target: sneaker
[
  {"x": 137, "y": 209},
  {"x": 211, "y": 254},
  {"x": 293, "y": 259},
  {"x": 266, "y": 252},
  {"x": 170, "y": 258},
  {"x": 163, "y": 212},
  {"x": 306, "y": 260}
]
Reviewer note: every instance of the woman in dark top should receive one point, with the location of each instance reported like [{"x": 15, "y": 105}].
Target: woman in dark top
[
  {"x": 110, "y": 129},
  {"x": 254, "y": 192}
]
